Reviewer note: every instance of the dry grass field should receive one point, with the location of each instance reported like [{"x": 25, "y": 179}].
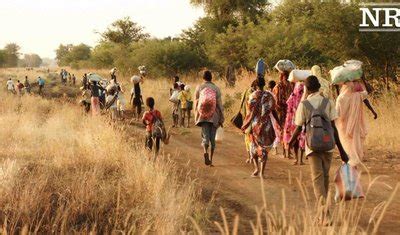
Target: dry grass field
[{"x": 64, "y": 172}]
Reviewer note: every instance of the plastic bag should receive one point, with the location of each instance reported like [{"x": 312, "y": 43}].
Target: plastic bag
[
  {"x": 285, "y": 66},
  {"x": 135, "y": 79},
  {"x": 219, "y": 137},
  {"x": 299, "y": 75},
  {"x": 347, "y": 183},
  {"x": 174, "y": 96},
  {"x": 346, "y": 73}
]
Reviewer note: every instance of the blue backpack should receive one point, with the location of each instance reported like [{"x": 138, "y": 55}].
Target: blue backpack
[{"x": 260, "y": 67}]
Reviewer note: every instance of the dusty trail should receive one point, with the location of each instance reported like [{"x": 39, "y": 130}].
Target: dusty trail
[{"x": 232, "y": 188}]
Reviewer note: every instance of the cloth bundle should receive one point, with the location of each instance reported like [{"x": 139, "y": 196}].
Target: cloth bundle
[
  {"x": 299, "y": 75},
  {"x": 350, "y": 71},
  {"x": 285, "y": 66}
]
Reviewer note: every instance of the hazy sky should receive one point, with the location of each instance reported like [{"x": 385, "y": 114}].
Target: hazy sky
[{"x": 39, "y": 26}]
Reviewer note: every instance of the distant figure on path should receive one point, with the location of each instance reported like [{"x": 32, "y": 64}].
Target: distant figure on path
[
  {"x": 10, "y": 86},
  {"x": 27, "y": 85},
  {"x": 20, "y": 87},
  {"x": 41, "y": 83},
  {"x": 282, "y": 93},
  {"x": 209, "y": 114},
  {"x": 95, "y": 94}
]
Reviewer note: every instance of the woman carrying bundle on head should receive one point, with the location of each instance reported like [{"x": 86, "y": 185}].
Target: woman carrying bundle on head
[
  {"x": 258, "y": 125},
  {"x": 282, "y": 92},
  {"x": 351, "y": 123}
]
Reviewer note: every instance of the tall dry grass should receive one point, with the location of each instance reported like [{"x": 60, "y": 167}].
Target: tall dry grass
[{"x": 63, "y": 172}]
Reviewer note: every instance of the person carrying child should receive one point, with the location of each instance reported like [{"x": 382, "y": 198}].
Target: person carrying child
[
  {"x": 186, "y": 103},
  {"x": 155, "y": 129}
]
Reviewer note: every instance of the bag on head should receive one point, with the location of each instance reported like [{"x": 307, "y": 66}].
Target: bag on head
[
  {"x": 319, "y": 130},
  {"x": 260, "y": 67},
  {"x": 207, "y": 103}
]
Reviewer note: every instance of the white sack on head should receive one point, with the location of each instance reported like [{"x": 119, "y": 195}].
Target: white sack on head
[
  {"x": 285, "y": 66},
  {"x": 298, "y": 75}
]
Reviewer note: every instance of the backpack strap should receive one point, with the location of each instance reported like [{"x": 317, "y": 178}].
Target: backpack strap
[
  {"x": 308, "y": 105},
  {"x": 323, "y": 105}
]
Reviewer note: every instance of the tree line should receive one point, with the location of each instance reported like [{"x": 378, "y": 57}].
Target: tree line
[
  {"x": 10, "y": 57},
  {"x": 237, "y": 33}
]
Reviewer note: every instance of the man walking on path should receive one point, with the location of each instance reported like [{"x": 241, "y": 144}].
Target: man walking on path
[
  {"x": 10, "y": 86},
  {"x": 208, "y": 114},
  {"x": 318, "y": 113}
]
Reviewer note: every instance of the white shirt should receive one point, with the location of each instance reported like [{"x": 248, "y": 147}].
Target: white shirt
[{"x": 10, "y": 85}]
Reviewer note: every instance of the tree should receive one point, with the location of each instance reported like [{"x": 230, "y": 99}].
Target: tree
[
  {"x": 62, "y": 54},
  {"x": 31, "y": 60},
  {"x": 12, "y": 54},
  {"x": 124, "y": 31},
  {"x": 68, "y": 55},
  {"x": 2, "y": 58},
  {"x": 233, "y": 9}
]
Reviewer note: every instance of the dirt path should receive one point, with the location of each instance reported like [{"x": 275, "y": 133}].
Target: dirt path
[{"x": 235, "y": 191}]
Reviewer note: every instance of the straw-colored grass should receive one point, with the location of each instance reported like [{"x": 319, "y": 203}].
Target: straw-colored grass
[{"x": 63, "y": 172}]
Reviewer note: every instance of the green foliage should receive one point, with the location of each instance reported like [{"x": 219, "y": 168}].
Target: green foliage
[
  {"x": 30, "y": 60},
  {"x": 70, "y": 55},
  {"x": 124, "y": 31},
  {"x": 11, "y": 55}
]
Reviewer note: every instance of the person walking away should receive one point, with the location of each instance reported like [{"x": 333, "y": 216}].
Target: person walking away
[
  {"x": 95, "y": 102},
  {"x": 152, "y": 119},
  {"x": 282, "y": 93},
  {"x": 174, "y": 99},
  {"x": 41, "y": 83},
  {"x": 289, "y": 128},
  {"x": 325, "y": 84},
  {"x": 136, "y": 98},
  {"x": 85, "y": 81},
  {"x": 209, "y": 114},
  {"x": 85, "y": 102},
  {"x": 27, "y": 85},
  {"x": 62, "y": 75},
  {"x": 186, "y": 103},
  {"x": 351, "y": 124},
  {"x": 69, "y": 78},
  {"x": 318, "y": 114},
  {"x": 73, "y": 79},
  {"x": 230, "y": 76},
  {"x": 278, "y": 130},
  {"x": 244, "y": 111},
  {"x": 10, "y": 86},
  {"x": 258, "y": 124},
  {"x": 20, "y": 87},
  {"x": 113, "y": 74},
  {"x": 111, "y": 103}
]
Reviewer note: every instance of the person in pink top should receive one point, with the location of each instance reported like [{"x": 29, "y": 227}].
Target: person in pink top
[{"x": 289, "y": 128}]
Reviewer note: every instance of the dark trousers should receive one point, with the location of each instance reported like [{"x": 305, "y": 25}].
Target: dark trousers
[{"x": 150, "y": 141}]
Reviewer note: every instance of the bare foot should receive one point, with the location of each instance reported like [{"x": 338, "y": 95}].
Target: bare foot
[
  {"x": 248, "y": 160},
  {"x": 302, "y": 163},
  {"x": 295, "y": 163},
  {"x": 255, "y": 174}
]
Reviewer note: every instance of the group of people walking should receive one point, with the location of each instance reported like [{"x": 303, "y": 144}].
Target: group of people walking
[
  {"x": 24, "y": 88},
  {"x": 306, "y": 117}
]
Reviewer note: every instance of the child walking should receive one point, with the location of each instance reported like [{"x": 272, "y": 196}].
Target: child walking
[
  {"x": 154, "y": 131},
  {"x": 186, "y": 103}
]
